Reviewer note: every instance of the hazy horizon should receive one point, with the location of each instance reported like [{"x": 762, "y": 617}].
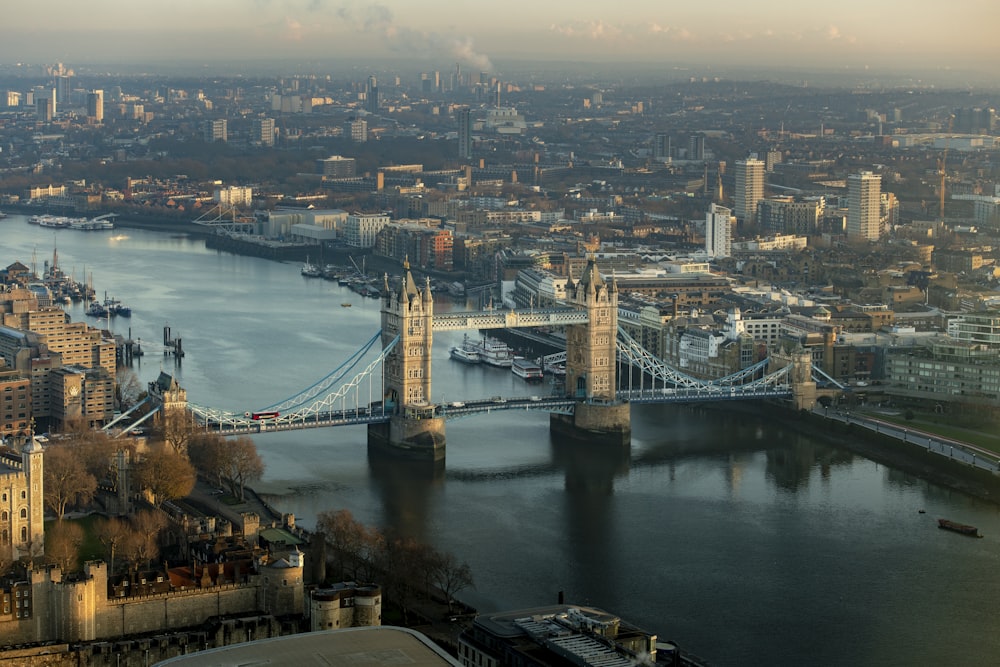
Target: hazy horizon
[{"x": 852, "y": 36}]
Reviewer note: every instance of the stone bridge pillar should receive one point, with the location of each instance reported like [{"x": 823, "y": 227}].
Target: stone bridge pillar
[
  {"x": 413, "y": 430},
  {"x": 591, "y": 368},
  {"x": 800, "y": 376}
]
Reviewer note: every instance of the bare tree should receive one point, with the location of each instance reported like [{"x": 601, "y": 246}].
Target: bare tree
[
  {"x": 94, "y": 448},
  {"x": 241, "y": 464},
  {"x": 166, "y": 475},
  {"x": 128, "y": 388},
  {"x": 113, "y": 533},
  {"x": 177, "y": 428},
  {"x": 206, "y": 452},
  {"x": 142, "y": 544},
  {"x": 451, "y": 576},
  {"x": 62, "y": 544},
  {"x": 348, "y": 539},
  {"x": 66, "y": 479}
]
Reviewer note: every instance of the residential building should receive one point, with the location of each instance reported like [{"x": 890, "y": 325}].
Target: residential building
[
  {"x": 95, "y": 106},
  {"x": 718, "y": 231},
  {"x": 216, "y": 130},
  {"x": 356, "y": 129},
  {"x": 749, "y": 189},
  {"x": 464, "y": 116},
  {"x": 361, "y": 229},
  {"x": 264, "y": 131},
  {"x": 336, "y": 166},
  {"x": 15, "y": 403},
  {"x": 661, "y": 147},
  {"x": 785, "y": 215},
  {"x": 864, "y": 205},
  {"x": 372, "y": 101}
]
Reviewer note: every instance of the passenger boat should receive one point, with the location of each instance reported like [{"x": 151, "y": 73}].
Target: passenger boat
[
  {"x": 464, "y": 355},
  {"x": 495, "y": 352},
  {"x": 962, "y": 528},
  {"x": 527, "y": 370}
]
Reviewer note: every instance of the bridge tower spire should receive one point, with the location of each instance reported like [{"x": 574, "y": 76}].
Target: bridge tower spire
[
  {"x": 408, "y": 312},
  {"x": 591, "y": 365}
]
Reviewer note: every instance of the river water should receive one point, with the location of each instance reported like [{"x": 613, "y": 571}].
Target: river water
[{"x": 741, "y": 540}]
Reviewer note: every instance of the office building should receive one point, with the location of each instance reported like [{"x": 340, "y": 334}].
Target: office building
[
  {"x": 749, "y": 189},
  {"x": 465, "y": 133},
  {"x": 864, "y": 206},
  {"x": 95, "y": 106},
  {"x": 718, "y": 231}
]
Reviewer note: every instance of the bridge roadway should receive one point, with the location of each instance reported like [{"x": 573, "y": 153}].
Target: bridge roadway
[
  {"x": 234, "y": 424},
  {"x": 509, "y": 319}
]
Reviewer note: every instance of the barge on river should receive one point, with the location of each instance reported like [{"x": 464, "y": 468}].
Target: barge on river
[{"x": 962, "y": 528}]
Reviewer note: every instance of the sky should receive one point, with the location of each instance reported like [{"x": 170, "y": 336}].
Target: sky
[{"x": 481, "y": 34}]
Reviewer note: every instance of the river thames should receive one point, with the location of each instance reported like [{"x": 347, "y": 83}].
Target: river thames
[{"x": 743, "y": 541}]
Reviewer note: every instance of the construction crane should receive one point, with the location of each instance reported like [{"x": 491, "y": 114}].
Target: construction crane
[{"x": 942, "y": 167}]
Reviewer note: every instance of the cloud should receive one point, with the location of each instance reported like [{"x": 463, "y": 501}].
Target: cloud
[
  {"x": 596, "y": 30},
  {"x": 293, "y": 30}
]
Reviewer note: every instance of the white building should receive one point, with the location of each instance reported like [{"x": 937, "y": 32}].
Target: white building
[
  {"x": 718, "y": 231},
  {"x": 238, "y": 196},
  {"x": 360, "y": 229},
  {"x": 864, "y": 206}
]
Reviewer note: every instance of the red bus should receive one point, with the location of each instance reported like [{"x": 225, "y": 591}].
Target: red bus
[{"x": 262, "y": 415}]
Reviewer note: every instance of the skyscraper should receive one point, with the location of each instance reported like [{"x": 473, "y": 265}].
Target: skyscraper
[
  {"x": 749, "y": 188},
  {"x": 661, "y": 147},
  {"x": 372, "y": 100},
  {"x": 95, "y": 105},
  {"x": 718, "y": 231},
  {"x": 864, "y": 206},
  {"x": 465, "y": 133}
]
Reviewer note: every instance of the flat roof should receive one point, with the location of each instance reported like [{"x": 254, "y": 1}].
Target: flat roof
[{"x": 379, "y": 645}]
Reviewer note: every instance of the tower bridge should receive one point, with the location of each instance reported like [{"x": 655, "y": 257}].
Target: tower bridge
[{"x": 392, "y": 393}]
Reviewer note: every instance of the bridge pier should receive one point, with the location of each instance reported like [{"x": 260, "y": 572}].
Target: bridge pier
[
  {"x": 596, "y": 423},
  {"x": 415, "y": 435}
]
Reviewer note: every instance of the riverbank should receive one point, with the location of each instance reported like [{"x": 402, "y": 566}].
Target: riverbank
[{"x": 906, "y": 457}]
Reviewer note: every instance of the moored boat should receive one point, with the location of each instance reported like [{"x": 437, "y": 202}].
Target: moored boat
[
  {"x": 495, "y": 352},
  {"x": 466, "y": 356},
  {"x": 956, "y": 527},
  {"x": 527, "y": 370}
]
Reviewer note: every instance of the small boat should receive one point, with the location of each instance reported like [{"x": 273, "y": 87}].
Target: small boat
[
  {"x": 962, "y": 528},
  {"x": 467, "y": 352},
  {"x": 345, "y": 305},
  {"x": 311, "y": 270}
]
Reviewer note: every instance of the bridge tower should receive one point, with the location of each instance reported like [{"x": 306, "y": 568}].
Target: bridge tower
[
  {"x": 800, "y": 376},
  {"x": 413, "y": 429},
  {"x": 591, "y": 369}
]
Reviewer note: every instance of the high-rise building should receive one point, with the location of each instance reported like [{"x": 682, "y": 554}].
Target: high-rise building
[
  {"x": 264, "y": 131},
  {"x": 95, "y": 105},
  {"x": 718, "y": 231},
  {"x": 43, "y": 109},
  {"x": 696, "y": 147},
  {"x": 216, "y": 130},
  {"x": 372, "y": 100},
  {"x": 356, "y": 129},
  {"x": 749, "y": 189},
  {"x": 465, "y": 133},
  {"x": 661, "y": 147},
  {"x": 864, "y": 206},
  {"x": 64, "y": 87}
]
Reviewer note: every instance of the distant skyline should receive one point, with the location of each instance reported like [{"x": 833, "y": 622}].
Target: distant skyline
[{"x": 912, "y": 36}]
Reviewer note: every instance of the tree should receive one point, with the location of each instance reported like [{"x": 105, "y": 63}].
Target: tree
[
  {"x": 206, "y": 452},
  {"x": 66, "y": 480},
  {"x": 451, "y": 576},
  {"x": 166, "y": 475},
  {"x": 95, "y": 449},
  {"x": 241, "y": 464},
  {"x": 350, "y": 542},
  {"x": 128, "y": 388},
  {"x": 142, "y": 543},
  {"x": 63, "y": 540},
  {"x": 177, "y": 428},
  {"x": 113, "y": 533}
]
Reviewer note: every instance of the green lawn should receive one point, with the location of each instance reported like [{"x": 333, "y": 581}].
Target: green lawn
[
  {"x": 985, "y": 439},
  {"x": 91, "y": 549}
]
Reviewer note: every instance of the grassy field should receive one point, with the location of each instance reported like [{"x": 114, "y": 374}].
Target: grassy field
[{"x": 986, "y": 439}]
